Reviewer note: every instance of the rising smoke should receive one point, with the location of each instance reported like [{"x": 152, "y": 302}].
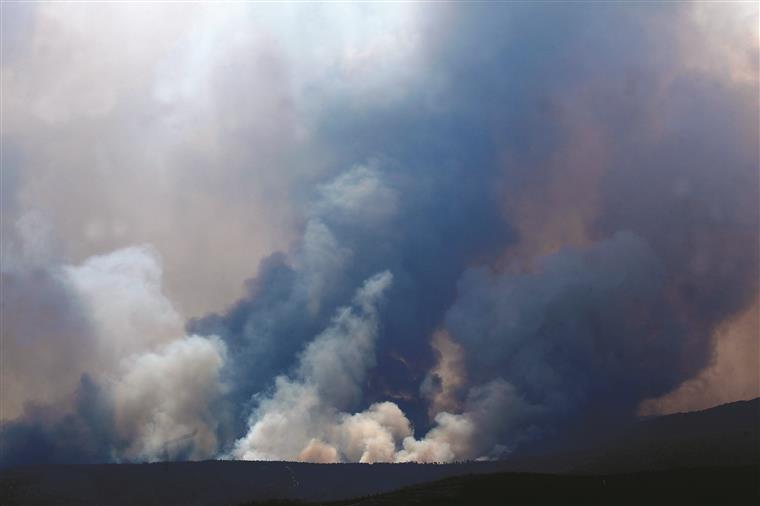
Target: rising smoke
[{"x": 545, "y": 227}]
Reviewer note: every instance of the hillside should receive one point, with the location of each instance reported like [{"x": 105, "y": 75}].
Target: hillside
[
  {"x": 723, "y": 441},
  {"x": 719, "y": 486}
]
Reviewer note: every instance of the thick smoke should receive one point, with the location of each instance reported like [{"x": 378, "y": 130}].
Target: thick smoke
[
  {"x": 306, "y": 418},
  {"x": 443, "y": 385},
  {"x": 584, "y": 338},
  {"x": 166, "y": 395},
  {"x": 113, "y": 376},
  {"x": 621, "y": 304},
  {"x": 304, "y": 414},
  {"x": 561, "y": 201}
]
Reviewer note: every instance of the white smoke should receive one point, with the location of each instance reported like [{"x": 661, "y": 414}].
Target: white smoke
[
  {"x": 490, "y": 411},
  {"x": 160, "y": 383},
  {"x": 165, "y": 395},
  {"x": 373, "y": 435},
  {"x": 304, "y": 417},
  {"x": 122, "y": 295},
  {"x": 109, "y": 319}
]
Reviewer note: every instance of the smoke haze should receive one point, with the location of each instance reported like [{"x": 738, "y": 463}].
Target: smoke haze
[{"x": 371, "y": 233}]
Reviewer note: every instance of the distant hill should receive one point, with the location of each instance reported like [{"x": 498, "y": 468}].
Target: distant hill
[
  {"x": 723, "y": 440},
  {"x": 702, "y": 486},
  {"x": 726, "y": 435}
]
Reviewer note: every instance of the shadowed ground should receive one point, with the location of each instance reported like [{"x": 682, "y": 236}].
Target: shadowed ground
[
  {"x": 707, "y": 457},
  {"x": 719, "y": 486}
]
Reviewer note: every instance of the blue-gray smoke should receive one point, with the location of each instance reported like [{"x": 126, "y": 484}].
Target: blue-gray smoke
[{"x": 421, "y": 187}]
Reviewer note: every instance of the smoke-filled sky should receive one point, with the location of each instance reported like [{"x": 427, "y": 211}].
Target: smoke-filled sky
[{"x": 371, "y": 232}]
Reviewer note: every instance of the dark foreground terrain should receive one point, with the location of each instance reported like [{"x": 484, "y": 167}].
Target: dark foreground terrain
[
  {"x": 707, "y": 457},
  {"x": 719, "y": 486}
]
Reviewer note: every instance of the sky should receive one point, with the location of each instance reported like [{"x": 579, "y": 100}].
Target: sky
[{"x": 371, "y": 232}]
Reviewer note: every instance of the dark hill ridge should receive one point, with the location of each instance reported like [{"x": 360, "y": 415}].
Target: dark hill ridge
[
  {"x": 217, "y": 482},
  {"x": 726, "y": 435},
  {"x": 722, "y": 437},
  {"x": 714, "y": 486}
]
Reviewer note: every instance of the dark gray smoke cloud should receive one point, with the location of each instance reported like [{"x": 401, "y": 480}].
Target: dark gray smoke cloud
[
  {"x": 567, "y": 195},
  {"x": 583, "y": 339},
  {"x": 589, "y": 333},
  {"x": 78, "y": 434}
]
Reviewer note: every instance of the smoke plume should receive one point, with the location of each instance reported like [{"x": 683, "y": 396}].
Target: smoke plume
[{"x": 466, "y": 231}]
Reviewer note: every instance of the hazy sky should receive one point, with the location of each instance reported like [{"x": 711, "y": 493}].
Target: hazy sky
[{"x": 371, "y": 232}]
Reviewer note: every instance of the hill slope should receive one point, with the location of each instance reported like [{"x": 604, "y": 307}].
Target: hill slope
[
  {"x": 723, "y": 437},
  {"x": 719, "y": 486}
]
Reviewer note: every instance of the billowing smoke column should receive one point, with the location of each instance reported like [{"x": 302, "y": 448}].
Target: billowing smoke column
[
  {"x": 543, "y": 229},
  {"x": 132, "y": 381},
  {"x": 329, "y": 376}
]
